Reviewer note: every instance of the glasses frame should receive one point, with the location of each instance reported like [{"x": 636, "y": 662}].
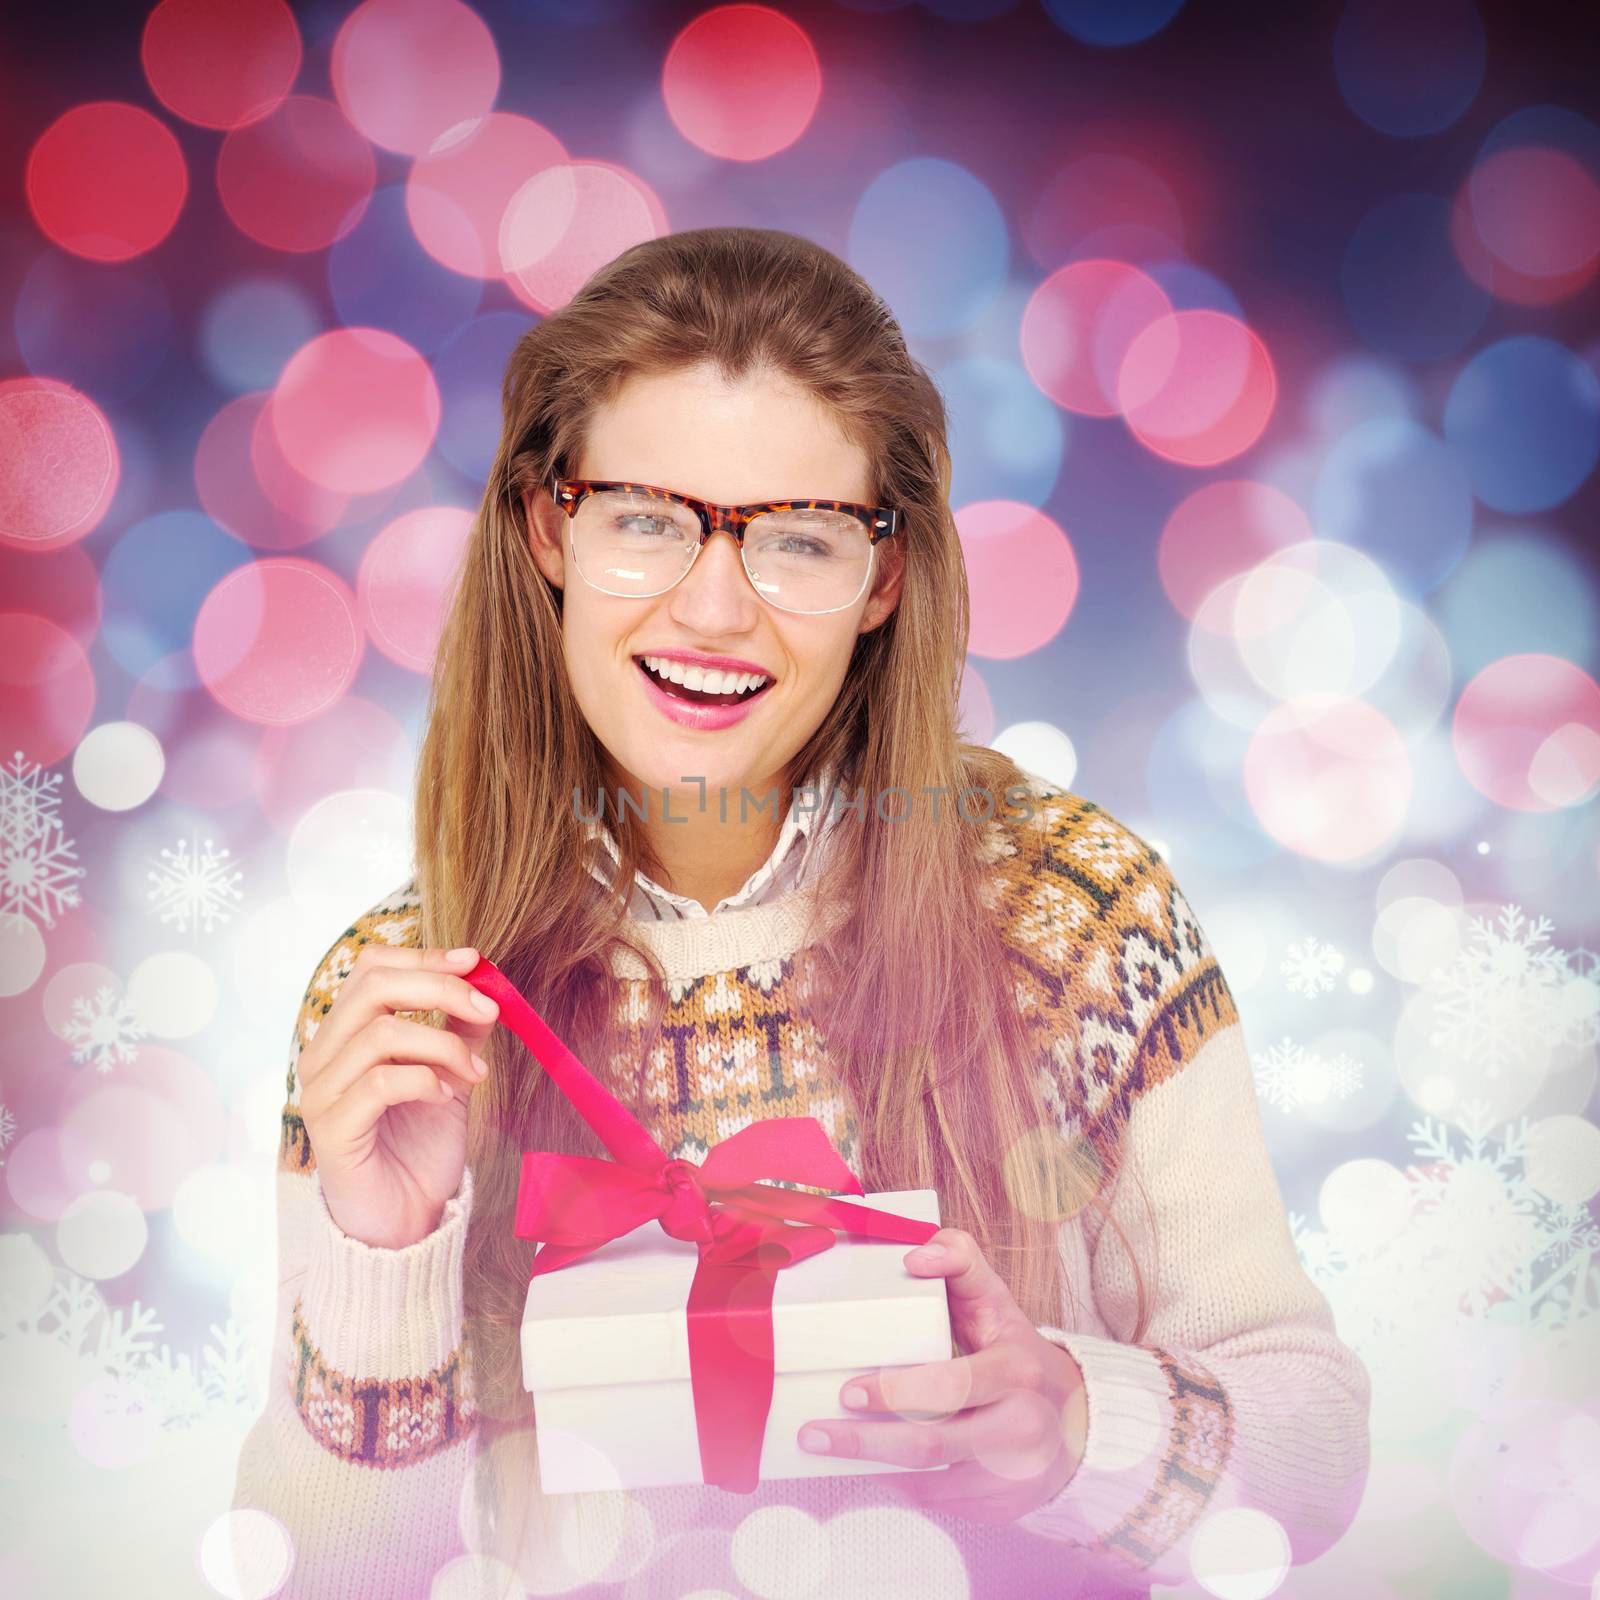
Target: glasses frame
[{"x": 881, "y": 522}]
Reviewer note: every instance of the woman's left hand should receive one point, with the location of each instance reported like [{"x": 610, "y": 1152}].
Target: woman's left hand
[{"x": 1006, "y": 1422}]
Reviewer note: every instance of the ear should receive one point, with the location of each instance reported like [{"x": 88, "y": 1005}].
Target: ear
[
  {"x": 546, "y": 527},
  {"x": 886, "y": 580}
]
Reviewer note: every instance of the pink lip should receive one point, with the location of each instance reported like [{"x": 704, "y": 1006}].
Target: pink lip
[{"x": 688, "y": 715}]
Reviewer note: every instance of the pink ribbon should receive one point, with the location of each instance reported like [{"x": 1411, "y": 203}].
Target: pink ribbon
[{"x": 745, "y": 1230}]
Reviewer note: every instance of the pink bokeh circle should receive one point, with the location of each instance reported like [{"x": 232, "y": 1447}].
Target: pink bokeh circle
[
  {"x": 741, "y": 82},
  {"x": 1526, "y": 733},
  {"x": 355, "y": 410},
  {"x": 106, "y": 180},
  {"x": 407, "y": 579},
  {"x": 1022, "y": 577},
  {"x": 59, "y": 464},
  {"x": 277, "y": 642},
  {"x": 1197, "y": 388},
  {"x": 1330, "y": 780},
  {"x": 47, "y": 689}
]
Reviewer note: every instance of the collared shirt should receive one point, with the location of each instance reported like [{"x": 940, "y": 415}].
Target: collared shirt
[{"x": 795, "y": 858}]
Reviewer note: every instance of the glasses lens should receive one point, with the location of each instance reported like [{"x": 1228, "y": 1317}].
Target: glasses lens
[
  {"x": 808, "y": 559},
  {"x": 630, "y": 543}
]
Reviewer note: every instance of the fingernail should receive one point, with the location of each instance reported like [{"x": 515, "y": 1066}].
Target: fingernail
[
  {"x": 460, "y": 954},
  {"x": 479, "y": 1065},
  {"x": 813, "y": 1439},
  {"x": 926, "y": 1254},
  {"x": 855, "y": 1395},
  {"x": 484, "y": 1003}
]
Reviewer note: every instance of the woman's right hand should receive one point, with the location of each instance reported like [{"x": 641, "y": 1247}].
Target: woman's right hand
[{"x": 384, "y": 1098}]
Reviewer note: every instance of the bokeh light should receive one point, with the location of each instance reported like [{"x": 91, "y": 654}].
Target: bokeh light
[
  {"x": 298, "y": 178},
  {"x": 407, "y": 579},
  {"x": 1079, "y": 326},
  {"x": 355, "y": 410},
  {"x": 1409, "y": 71},
  {"x": 220, "y": 63},
  {"x": 278, "y": 641},
  {"x": 741, "y": 81},
  {"x": 1022, "y": 575},
  {"x": 932, "y": 238},
  {"x": 106, "y": 180},
  {"x": 407, "y": 72},
  {"x": 59, "y": 464},
  {"x": 1398, "y": 491},
  {"x": 458, "y": 190},
  {"x": 1197, "y": 387},
  {"x": 1527, "y": 732}
]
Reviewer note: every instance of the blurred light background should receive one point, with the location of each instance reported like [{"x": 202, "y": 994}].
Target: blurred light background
[{"x": 1270, "y": 336}]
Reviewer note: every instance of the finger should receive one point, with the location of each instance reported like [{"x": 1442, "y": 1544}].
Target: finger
[
  {"x": 981, "y": 1304},
  {"x": 939, "y": 1388},
  {"x": 395, "y": 978},
  {"x": 350, "y": 1118},
  {"x": 390, "y": 1038}
]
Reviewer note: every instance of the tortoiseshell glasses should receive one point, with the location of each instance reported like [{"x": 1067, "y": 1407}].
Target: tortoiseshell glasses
[{"x": 636, "y": 540}]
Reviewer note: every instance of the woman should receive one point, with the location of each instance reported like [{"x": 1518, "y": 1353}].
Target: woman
[{"x": 977, "y": 982}]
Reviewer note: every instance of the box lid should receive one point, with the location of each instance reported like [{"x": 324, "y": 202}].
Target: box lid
[{"x": 618, "y": 1316}]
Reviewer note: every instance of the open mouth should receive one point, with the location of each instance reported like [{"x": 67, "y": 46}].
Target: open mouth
[{"x": 699, "y": 697}]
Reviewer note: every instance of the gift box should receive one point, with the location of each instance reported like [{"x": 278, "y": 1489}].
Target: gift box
[
  {"x": 671, "y": 1276},
  {"x": 606, "y": 1353}
]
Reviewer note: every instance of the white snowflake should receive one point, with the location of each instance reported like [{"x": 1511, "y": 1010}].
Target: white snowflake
[
  {"x": 28, "y": 801},
  {"x": 227, "y": 1379},
  {"x": 1479, "y": 1242},
  {"x": 1289, "y": 1075},
  {"x": 37, "y": 860},
  {"x": 194, "y": 888},
  {"x": 1507, "y": 996},
  {"x": 1311, "y": 967},
  {"x": 8, "y": 1127},
  {"x": 1581, "y": 996},
  {"x": 103, "y": 1028}
]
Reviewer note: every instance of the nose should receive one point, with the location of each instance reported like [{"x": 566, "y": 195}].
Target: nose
[{"x": 719, "y": 564}]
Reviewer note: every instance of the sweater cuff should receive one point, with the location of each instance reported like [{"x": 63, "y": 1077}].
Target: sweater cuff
[
  {"x": 384, "y": 1314},
  {"x": 1159, "y": 1429}
]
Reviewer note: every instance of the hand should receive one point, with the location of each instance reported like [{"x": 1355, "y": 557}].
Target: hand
[
  {"x": 1007, "y": 1421},
  {"x": 384, "y": 1099}
]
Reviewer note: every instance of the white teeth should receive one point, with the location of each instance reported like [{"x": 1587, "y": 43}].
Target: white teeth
[{"x": 712, "y": 681}]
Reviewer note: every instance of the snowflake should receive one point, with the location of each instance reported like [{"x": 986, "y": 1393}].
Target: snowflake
[
  {"x": 36, "y": 858},
  {"x": 194, "y": 888},
  {"x": 104, "y": 1029},
  {"x": 1507, "y": 996},
  {"x": 227, "y": 1379},
  {"x": 1581, "y": 997},
  {"x": 8, "y": 1127},
  {"x": 1289, "y": 1075},
  {"x": 1311, "y": 967},
  {"x": 27, "y": 802},
  {"x": 1479, "y": 1242}
]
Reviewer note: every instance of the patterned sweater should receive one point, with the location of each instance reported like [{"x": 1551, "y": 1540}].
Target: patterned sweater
[{"x": 1242, "y": 1394}]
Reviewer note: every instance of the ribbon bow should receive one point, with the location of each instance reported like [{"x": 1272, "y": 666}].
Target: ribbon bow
[{"x": 746, "y": 1231}]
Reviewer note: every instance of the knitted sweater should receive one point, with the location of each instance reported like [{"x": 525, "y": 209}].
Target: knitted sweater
[{"x": 1241, "y": 1395}]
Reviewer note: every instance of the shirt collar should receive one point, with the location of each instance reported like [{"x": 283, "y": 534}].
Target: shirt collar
[{"x": 798, "y": 848}]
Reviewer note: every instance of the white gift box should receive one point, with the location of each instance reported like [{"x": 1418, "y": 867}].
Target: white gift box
[{"x": 605, "y": 1352}]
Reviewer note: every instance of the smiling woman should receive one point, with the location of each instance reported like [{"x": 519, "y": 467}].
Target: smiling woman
[{"x": 975, "y": 981}]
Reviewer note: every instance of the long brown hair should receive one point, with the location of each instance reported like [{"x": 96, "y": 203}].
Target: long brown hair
[{"x": 918, "y": 1005}]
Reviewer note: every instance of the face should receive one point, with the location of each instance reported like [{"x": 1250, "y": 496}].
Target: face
[{"x": 758, "y": 439}]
